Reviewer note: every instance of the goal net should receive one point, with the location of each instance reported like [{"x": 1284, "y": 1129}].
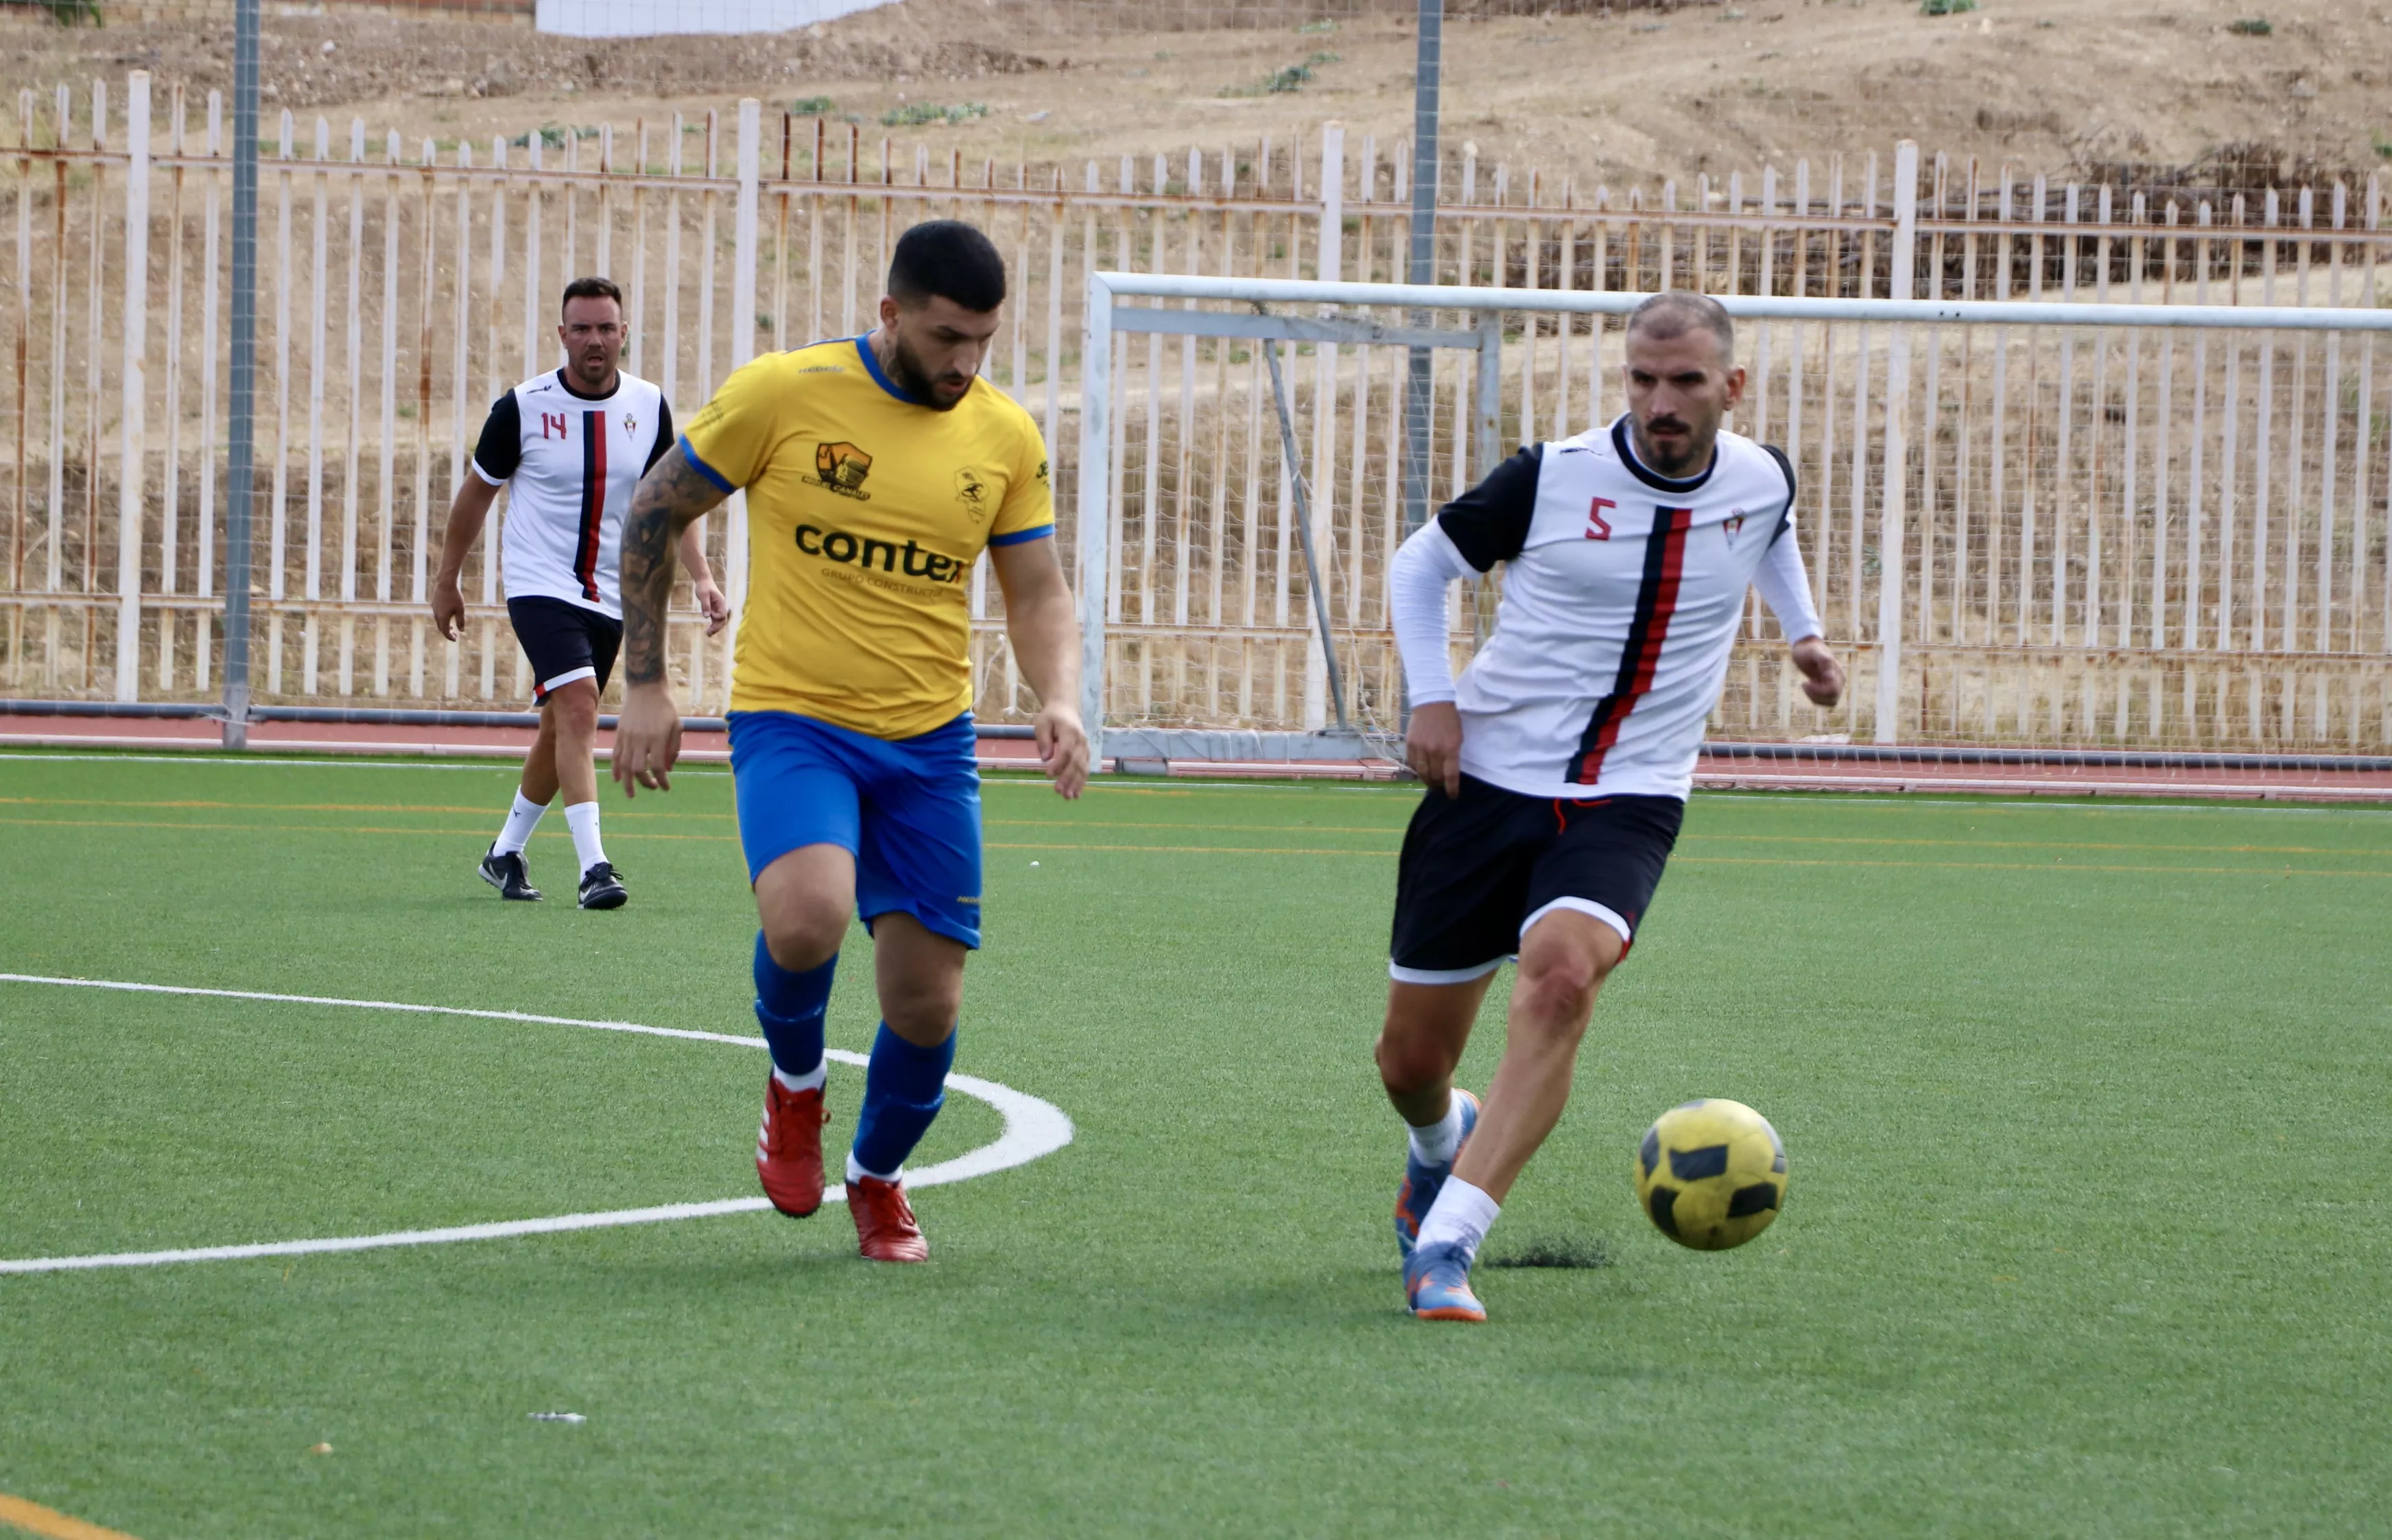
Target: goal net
[{"x": 2116, "y": 547}]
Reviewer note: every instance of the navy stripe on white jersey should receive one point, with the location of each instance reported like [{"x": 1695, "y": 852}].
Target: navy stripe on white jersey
[
  {"x": 1623, "y": 591},
  {"x": 571, "y": 463}
]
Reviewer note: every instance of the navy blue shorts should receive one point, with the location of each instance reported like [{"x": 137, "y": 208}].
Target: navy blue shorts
[
  {"x": 565, "y": 642},
  {"x": 908, "y": 811},
  {"x": 1479, "y": 870}
]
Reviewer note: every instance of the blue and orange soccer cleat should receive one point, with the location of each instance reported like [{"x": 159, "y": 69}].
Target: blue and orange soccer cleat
[
  {"x": 1422, "y": 1183},
  {"x": 1436, "y": 1285}
]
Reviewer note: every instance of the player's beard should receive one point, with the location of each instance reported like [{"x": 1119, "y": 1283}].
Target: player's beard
[
  {"x": 915, "y": 381},
  {"x": 1688, "y": 459},
  {"x": 584, "y": 368}
]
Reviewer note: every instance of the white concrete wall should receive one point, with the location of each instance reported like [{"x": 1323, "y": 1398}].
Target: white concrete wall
[{"x": 662, "y": 18}]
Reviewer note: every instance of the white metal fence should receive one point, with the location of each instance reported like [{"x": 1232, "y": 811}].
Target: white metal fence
[{"x": 2087, "y": 505}]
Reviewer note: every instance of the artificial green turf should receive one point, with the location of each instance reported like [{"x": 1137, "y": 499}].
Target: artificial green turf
[{"x": 2086, "y": 1232}]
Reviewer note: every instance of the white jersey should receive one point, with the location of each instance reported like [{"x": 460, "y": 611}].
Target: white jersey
[
  {"x": 573, "y": 461},
  {"x": 1620, "y": 604}
]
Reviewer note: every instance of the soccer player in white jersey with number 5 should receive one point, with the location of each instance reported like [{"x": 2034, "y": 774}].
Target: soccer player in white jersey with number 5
[
  {"x": 573, "y": 443},
  {"x": 1558, "y": 765}
]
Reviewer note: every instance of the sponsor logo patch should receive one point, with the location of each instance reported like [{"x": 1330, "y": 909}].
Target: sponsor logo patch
[
  {"x": 842, "y": 468},
  {"x": 973, "y": 493}
]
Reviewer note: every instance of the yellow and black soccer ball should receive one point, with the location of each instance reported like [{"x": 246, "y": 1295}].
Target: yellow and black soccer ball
[{"x": 1710, "y": 1174}]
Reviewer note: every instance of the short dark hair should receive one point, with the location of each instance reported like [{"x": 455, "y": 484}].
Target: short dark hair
[
  {"x": 593, "y": 287},
  {"x": 951, "y": 260},
  {"x": 1674, "y": 312}
]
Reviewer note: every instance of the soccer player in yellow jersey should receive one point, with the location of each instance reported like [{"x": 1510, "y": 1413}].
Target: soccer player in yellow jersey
[{"x": 877, "y": 470}]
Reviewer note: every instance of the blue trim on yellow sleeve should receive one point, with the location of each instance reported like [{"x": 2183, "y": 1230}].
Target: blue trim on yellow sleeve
[
  {"x": 1020, "y": 535},
  {"x": 702, "y": 468},
  {"x": 872, "y": 365}
]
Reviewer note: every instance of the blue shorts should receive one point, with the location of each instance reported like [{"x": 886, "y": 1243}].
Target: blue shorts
[{"x": 907, "y": 810}]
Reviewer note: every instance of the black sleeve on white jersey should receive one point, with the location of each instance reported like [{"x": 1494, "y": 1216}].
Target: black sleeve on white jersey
[
  {"x": 1490, "y": 522},
  {"x": 1786, "y": 519},
  {"x": 664, "y": 434},
  {"x": 500, "y": 450}
]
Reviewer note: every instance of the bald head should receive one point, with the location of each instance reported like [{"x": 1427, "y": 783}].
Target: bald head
[{"x": 1675, "y": 312}]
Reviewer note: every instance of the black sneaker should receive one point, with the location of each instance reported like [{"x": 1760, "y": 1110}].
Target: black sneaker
[
  {"x": 602, "y": 889},
  {"x": 508, "y": 874}
]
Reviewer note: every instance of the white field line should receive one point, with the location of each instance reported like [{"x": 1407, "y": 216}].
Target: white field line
[
  {"x": 364, "y": 749},
  {"x": 399, "y": 1006},
  {"x": 276, "y": 761},
  {"x": 1032, "y": 1127}
]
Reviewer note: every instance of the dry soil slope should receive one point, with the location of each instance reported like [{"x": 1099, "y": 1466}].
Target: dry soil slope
[{"x": 2045, "y": 84}]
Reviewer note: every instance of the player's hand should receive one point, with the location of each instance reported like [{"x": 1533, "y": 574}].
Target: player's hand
[
  {"x": 448, "y": 607},
  {"x": 713, "y": 606},
  {"x": 647, "y": 739},
  {"x": 1062, "y": 748},
  {"x": 1823, "y": 677},
  {"x": 1433, "y": 748}
]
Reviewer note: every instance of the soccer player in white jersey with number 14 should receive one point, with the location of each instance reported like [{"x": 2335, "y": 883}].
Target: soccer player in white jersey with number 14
[
  {"x": 1558, "y": 765},
  {"x": 573, "y": 443}
]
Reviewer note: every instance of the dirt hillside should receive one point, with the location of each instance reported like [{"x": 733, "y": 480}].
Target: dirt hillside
[{"x": 2052, "y": 86}]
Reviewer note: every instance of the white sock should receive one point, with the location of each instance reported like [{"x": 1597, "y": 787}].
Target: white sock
[
  {"x": 582, "y": 818},
  {"x": 1437, "y": 1144},
  {"x": 855, "y": 1170},
  {"x": 1459, "y": 1217},
  {"x": 520, "y": 820},
  {"x": 813, "y": 1081}
]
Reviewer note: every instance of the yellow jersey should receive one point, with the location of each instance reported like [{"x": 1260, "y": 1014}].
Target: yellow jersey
[{"x": 866, "y": 513}]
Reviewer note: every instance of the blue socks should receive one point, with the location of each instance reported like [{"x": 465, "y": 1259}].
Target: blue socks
[
  {"x": 789, "y": 1007},
  {"x": 904, "y": 1089}
]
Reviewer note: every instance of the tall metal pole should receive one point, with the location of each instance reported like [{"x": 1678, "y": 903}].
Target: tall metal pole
[
  {"x": 239, "y": 469},
  {"x": 1421, "y": 268},
  {"x": 1421, "y": 376}
]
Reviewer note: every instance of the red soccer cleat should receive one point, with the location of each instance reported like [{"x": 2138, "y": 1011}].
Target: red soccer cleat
[
  {"x": 788, "y": 1148},
  {"x": 885, "y": 1231}
]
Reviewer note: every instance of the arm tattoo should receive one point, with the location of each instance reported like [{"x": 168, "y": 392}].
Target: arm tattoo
[{"x": 671, "y": 497}]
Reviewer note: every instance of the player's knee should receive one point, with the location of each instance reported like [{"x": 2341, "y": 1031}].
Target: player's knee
[
  {"x": 803, "y": 933},
  {"x": 574, "y": 708},
  {"x": 1559, "y": 987},
  {"x": 1409, "y": 1060},
  {"x": 1563, "y": 960},
  {"x": 922, "y": 993},
  {"x": 803, "y": 901},
  {"x": 924, "y": 1012}
]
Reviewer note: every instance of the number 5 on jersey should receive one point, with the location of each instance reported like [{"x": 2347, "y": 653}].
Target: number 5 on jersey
[{"x": 1597, "y": 526}]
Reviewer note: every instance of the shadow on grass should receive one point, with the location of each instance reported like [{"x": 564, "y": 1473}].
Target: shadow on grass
[{"x": 1591, "y": 1252}]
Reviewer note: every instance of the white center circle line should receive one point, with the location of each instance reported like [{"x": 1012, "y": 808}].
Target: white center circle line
[{"x": 1032, "y": 1127}]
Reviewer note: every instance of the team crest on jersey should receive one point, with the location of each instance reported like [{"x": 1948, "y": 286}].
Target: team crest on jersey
[
  {"x": 631, "y": 426},
  {"x": 973, "y": 493},
  {"x": 842, "y": 468},
  {"x": 1733, "y": 524}
]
